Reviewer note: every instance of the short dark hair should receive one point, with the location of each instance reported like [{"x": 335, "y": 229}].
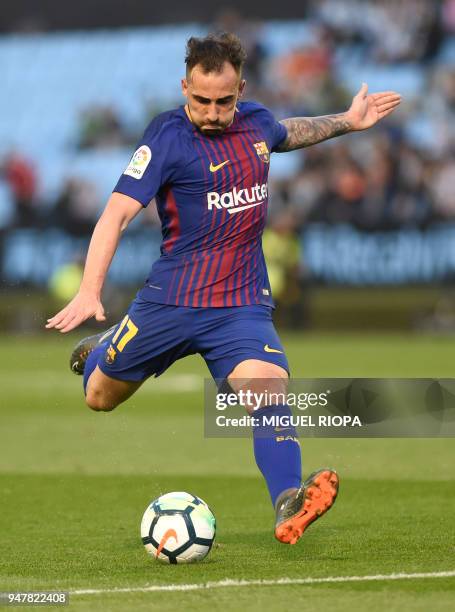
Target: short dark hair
[{"x": 213, "y": 51}]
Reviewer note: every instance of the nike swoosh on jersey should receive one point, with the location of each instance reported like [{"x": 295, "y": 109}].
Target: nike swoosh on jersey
[
  {"x": 213, "y": 168},
  {"x": 267, "y": 349}
]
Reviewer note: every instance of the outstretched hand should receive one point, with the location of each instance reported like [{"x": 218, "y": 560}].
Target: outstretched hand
[
  {"x": 367, "y": 109},
  {"x": 82, "y": 307}
]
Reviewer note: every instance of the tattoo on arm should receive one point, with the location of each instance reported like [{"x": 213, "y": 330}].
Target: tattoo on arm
[{"x": 306, "y": 131}]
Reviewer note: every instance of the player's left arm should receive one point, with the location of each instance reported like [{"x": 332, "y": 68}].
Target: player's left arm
[{"x": 365, "y": 111}]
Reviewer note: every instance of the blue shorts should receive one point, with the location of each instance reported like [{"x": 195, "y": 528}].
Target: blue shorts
[{"x": 152, "y": 336}]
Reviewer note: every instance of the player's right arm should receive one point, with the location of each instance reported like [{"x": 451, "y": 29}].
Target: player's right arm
[{"x": 119, "y": 211}]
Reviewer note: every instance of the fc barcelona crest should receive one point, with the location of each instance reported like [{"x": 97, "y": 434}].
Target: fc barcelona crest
[
  {"x": 262, "y": 151},
  {"x": 110, "y": 355}
]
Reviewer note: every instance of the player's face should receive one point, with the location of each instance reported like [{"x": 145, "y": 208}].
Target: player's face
[{"x": 212, "y": 98}]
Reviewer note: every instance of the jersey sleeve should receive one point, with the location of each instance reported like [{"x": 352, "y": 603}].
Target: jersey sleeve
[
  {"x": 152, "y": 165},
  {"x": 275, "y": 130}
]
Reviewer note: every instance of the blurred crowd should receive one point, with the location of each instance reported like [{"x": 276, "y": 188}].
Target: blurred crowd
[{"x": 400, "y": 174}]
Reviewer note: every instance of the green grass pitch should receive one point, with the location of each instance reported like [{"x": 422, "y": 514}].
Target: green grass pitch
[{"x": 74, "y": 485}]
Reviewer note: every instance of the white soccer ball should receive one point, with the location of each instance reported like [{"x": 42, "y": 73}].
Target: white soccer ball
[{"x": 178, "y": 528}]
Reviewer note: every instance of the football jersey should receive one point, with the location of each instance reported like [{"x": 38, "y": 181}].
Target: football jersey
[{"x": 211, "y": 194}]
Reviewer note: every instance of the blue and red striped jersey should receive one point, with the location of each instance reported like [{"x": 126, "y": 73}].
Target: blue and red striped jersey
[{"x": 211, "y": 194}]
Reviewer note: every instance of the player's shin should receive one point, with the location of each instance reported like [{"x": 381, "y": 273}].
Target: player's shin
[{"x": 277, "y": 449}]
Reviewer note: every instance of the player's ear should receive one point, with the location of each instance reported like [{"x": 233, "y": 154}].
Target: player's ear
[
  {"x": 242, "y": 87},
  {"x": 184, "y": 86}
]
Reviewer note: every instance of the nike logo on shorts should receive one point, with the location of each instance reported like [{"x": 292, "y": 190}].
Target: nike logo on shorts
[{"x": 267, "y": 349}]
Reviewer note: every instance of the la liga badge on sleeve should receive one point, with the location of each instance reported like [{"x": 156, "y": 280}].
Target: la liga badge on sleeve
[{"x": 139, "y": 162}]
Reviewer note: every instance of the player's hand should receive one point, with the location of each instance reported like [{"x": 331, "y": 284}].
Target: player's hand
[
  {"x": 82, "y": 307},
  {"x": 367, "y": 109}
]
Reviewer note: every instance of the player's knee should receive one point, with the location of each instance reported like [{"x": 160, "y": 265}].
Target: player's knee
[{"x": 98, "y": 401}]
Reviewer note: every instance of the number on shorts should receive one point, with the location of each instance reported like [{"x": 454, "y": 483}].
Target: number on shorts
[{"x": 131, "y": 331}]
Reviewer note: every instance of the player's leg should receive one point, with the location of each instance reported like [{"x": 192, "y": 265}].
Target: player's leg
[
  {"x": 242, "y": 346},
  {"x": 102, "y": 392},
  {"x": 277, "y": 454},
  {"x": 276, "y": 449},
  {"x": 245, "y": 349},
  {"x": 105, "y": 393},
  {"x": 115, "y": 363}
]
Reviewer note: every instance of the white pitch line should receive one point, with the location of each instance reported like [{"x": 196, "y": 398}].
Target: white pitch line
[{"x": 279, "y": 582}]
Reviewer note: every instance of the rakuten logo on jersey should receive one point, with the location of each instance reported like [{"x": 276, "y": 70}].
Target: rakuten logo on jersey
[{"x": 238, "y": 199}]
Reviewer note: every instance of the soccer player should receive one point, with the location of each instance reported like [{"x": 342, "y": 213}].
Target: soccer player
[{"x": 206, "y": 164}]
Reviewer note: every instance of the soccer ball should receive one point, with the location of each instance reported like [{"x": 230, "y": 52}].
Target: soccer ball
[{"x": 178, "y": 528}]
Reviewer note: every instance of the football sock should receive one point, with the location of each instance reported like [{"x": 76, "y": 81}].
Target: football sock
[
  {"x": 92, "y": 361},
  {"x": 277, "y": 454}
]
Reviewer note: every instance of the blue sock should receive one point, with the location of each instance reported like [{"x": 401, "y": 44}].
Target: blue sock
[
  {"x": 277, "y": 454},
  {"x": 91, "y": 362}
]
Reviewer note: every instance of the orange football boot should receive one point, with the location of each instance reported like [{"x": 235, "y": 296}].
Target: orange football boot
[{"x": 296, "y": 510}]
